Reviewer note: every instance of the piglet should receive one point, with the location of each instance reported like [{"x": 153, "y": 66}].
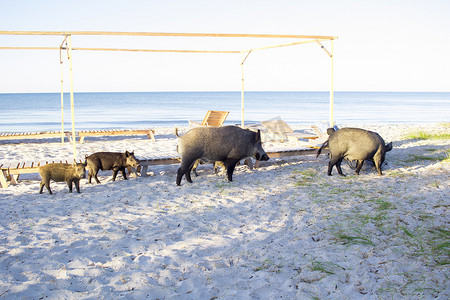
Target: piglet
[
  {"x": 59, "y": 172},
  {"x": 110, "y": 161}
]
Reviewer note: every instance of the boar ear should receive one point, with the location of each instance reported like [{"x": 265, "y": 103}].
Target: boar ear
[
  {"x": 258, "y": 136},
  {"x": 388, "y": 147},
  {"x": 127, "y": 153}
]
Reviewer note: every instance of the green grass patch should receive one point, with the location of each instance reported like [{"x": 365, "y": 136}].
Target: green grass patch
[
  {"x": 304, "y": 177},
  {"x": 440, "y": 245},
  {"x": 354, "y": 240},
  {"x": 447, "y": 154},
  {"x": 432, "y": 244},
  {"x": 384, "y": 205},
  {"x": 422, "y": 135},
  {"x": 417, "y": 158},
  {"x": 325, "y": 267}
]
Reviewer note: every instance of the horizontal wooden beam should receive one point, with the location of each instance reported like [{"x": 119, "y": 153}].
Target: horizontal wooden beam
[
  {"x": 122, "y": 49},
  {"x": 156, "y": 50},
  {"x": 168, "y": 34}
]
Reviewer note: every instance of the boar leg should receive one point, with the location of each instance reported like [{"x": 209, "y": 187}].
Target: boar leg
[
  {"x": 41, "y": 187},
  {"x": 188, "y": 176},
  {"x": 179, "y": 175},
  {"x": 194, "y": 167},
  {"x": 93, "y": 173},
  {"x": 338, "y": 167},
  {"x": 230, "y": 164},
  {"x": 90, "y": 171},
  {"x": 378, "y": 167},
  {"x": 185, "y": 169},
  {"x": 77, "y": 185},
  {"x": 115, "y": 171},
  {"x": 335, "y": 162},
  {"x": 124, "y": 174},
  {"x": 69, "y": 184},
  {"x": 359, "y": 164},
  {"x": 47, "y": 185}
]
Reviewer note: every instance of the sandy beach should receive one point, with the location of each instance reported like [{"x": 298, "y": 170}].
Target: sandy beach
[{"x": 283, "y": 230}]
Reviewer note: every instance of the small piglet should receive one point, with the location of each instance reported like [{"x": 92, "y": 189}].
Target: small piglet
[
  {"x": 110, "y": 161},
  {"x": 228, "y": 144},
  {"x": 216, "y": 164},
  {"x": 59, "y": 172},
  {"x": 355, "y": 144}
]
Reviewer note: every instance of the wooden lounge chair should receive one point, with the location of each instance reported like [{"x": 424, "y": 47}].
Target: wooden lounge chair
[
  {"x": 212, "y": 118},
  {"x": 33, "y": 135},
  {"x": 279, "y": 130},
  {"x": 320, "y": 129},
  {"x": 84, "y": 133}
]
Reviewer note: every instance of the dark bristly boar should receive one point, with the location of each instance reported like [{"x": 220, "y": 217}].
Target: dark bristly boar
[
  {"x": 110, "y": 161},
  {"x": 355, "y": 144},
  {"x": 59, "y": 172},
  {"x": 228, "y": 144}
]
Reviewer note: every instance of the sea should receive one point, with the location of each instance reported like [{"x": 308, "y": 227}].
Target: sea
[{"x": 125, "y": 110}]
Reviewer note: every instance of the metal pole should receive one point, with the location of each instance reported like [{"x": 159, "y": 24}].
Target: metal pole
[
  {"x": 62, "y": 96},
  {"x": 242, "y": 85},
  {"x": 242, "y": 91},
  {"x": 332, "y": 87},
  {"x": 69, "y": 39}
]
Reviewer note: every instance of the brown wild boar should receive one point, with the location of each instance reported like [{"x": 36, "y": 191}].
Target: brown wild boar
[
  {"x": 110, "y": 161},
  {"x": 59, "y": 172}
]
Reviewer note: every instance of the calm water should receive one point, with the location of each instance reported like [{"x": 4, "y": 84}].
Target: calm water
[{"x": 39, "y": 112}]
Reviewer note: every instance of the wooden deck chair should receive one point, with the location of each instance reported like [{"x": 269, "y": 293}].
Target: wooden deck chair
[
  {"x": 149, "y": 132},
  {"x": 34, "y": 135},
  {"x": 322, "y": 131},
  {"x": 212, "y": 118},
  {"x": 277, "y": 129}
]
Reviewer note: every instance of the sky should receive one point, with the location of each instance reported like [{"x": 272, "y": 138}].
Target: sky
[{"x": 395, "y": 45}]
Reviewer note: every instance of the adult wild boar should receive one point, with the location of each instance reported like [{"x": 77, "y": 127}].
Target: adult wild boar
[
  {"x": 110, "y": 161},
  {"x": 228, "y": 144},
  {"x": 59, "y": 172},
  {"x": 355, "y": 144}
]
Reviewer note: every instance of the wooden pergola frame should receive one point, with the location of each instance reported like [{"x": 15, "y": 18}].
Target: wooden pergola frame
[{"x": 67, "y": 45}]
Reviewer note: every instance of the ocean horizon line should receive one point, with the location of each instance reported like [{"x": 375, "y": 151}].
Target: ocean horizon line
[{"x": 223, "y": 91}]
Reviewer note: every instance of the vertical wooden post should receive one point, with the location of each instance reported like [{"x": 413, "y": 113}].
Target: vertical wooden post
[
  {"x": 242, "y": 90},
  {"x": 69, "y": 39},
  {"x": 62, "y": 96},
  {"x": 332, "y": 86}
]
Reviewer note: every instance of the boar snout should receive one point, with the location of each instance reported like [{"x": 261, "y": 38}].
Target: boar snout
[{"x": 263, "y": 157}]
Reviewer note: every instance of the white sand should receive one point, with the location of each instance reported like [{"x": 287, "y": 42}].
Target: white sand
[{"x": 285, "y": 230}]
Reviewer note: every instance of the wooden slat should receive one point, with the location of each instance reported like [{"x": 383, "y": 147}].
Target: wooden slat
[
  {"x": 170, "y": 34},
  {"x": 148, "y": 132}
]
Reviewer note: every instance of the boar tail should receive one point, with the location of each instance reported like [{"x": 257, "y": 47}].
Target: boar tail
[
  {"x": 321, "y": 147},
  {"x": 176, "y": 132}
]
